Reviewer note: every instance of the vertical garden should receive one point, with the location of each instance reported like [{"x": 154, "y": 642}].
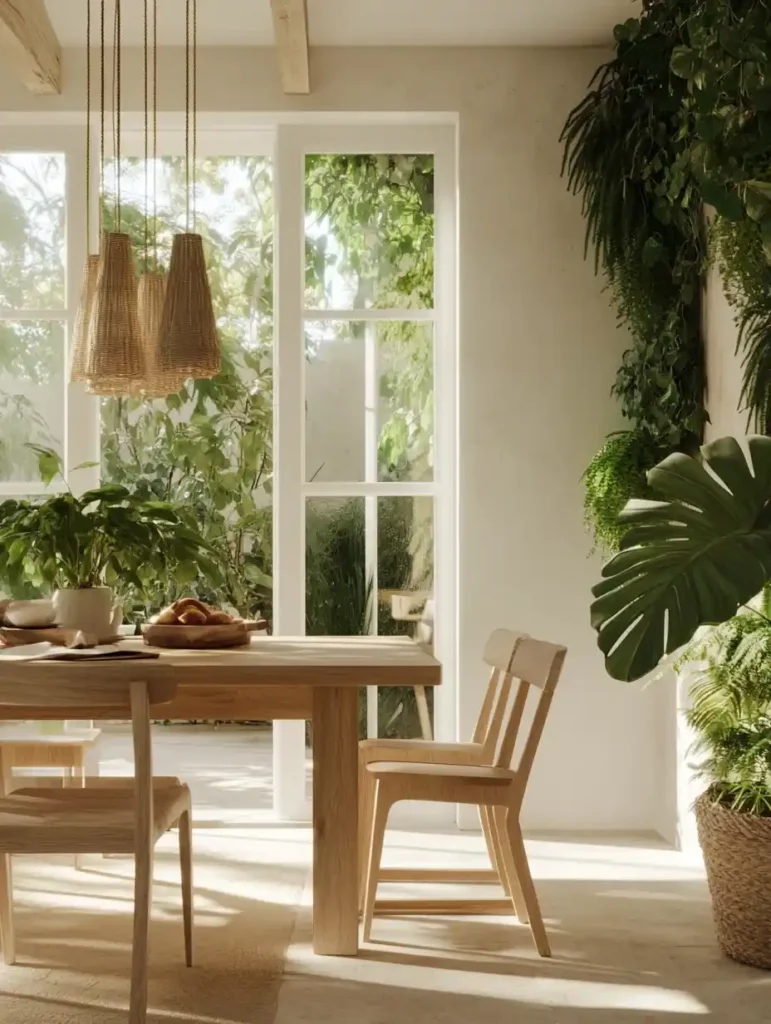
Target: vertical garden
[{"x": 670, "y": 152}]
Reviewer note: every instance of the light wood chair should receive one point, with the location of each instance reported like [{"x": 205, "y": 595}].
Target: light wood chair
[
  {"x": 476, "y": 773},
  {"x": 22, "y": 747},
  {"x": 480, "y": 749},
  {"x": 107, "y": 816}
]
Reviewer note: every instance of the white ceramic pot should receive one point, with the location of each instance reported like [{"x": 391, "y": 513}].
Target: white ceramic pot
[{"x": 91, "y": 610}]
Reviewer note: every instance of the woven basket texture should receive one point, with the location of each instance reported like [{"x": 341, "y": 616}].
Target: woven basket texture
[{"x": 737, "y": 854}]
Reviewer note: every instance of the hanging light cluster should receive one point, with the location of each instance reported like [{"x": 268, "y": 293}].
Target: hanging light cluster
[{"x": 144, "y": 335}]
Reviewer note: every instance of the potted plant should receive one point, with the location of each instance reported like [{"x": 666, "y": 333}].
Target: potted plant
[
  {"x": 85, "y": 547},
  {"x": 697, "y": 557}
]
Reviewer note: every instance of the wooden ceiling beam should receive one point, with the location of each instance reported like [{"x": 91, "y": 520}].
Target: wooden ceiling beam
[
  {"x": 26, "y": 30},
  {"x": 290, "y": 23}
]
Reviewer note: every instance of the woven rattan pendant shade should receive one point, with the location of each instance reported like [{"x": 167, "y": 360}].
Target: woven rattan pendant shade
[
  {"x": 80, "y": 335},
  {"x": 116, "y": 361},
  {"x": 189, "y": 342},
  {"x": 151, "y": 298}
]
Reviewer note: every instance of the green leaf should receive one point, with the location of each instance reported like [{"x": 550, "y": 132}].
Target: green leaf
[
  {"x": 726, "y": 202},
  {"x": 684, "y": 62},
  {"x": 688, "y": 560},
  {"x": 652, "y": 252}
]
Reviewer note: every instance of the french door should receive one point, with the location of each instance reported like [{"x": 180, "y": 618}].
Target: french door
[{"x": 365, "y": 407}]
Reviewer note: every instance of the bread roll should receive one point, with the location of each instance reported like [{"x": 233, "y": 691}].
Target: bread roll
[
  {"x": 219, "y": 619},
  {"x": 189, "y": 602},
  {"x": 193, "y": 617},
  {"x": 167, "y": 617}
]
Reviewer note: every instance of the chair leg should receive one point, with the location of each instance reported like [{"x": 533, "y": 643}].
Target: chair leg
[
  {"x": 366, "y": 804},
  {"x": 143, "y": 889},
  {"x": 513, "y": 833},
  {"x": 493, "y": 847},
  {"x": 513, "y": 884},
  {"x": 7, "y": 929},
  {"x": 379, "y": 822},
  {"x": 423, "y": 713},
  {"x": 186, "y": 865}
]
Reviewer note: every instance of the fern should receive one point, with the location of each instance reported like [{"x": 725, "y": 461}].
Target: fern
[{"x": 731, "y": 711}]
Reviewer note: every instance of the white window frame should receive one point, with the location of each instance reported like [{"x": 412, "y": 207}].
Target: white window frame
[
  {"x": 80, "y": 441},
  {"x": 291, "y": 489},
  {"x": 288, "y": 139}
]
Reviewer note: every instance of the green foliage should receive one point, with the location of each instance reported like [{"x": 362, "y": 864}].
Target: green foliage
[
  {"x": 730, "y": 710},
  {"x": 108, "y": 535},
  {"x": 616, "y": 474},
  {"x": 679, "y": 118},
  {"x": 689, "y": 559},
  {"x": 339, "y": 594}
]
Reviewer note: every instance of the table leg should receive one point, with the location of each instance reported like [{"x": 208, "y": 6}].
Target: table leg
[{"x": 335, "y": 821}]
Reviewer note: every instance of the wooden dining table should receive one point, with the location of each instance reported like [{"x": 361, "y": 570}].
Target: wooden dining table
[{"x": 273, "y": 678}]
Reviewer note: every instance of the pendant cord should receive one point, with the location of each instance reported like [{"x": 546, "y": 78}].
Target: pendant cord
[
  {"x": 155, "y": 133},
  {"x": 195, "y": 110},
  {"x": 101, "y": 125},
  {"x": 118, "y": 104},
  {"x": 187, "y": 115},
  {"x": 88, "y": 126},
  {"x": 147, "y": 140}
]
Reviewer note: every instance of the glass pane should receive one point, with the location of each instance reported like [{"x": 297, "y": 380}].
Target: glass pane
[
  {"x": 32, "y": 230},
  {"x": 337, "y": 591},
  {"x": 334, "y": 401},
  {"x": 32, "y": 390},
  {"x": 405, "y": 567},
  {"x": 369, "y": 401},
  {"x": 369, "y": 232},
  {"x": 406, "y": 408},
  {"x": 211, "y": 444}
]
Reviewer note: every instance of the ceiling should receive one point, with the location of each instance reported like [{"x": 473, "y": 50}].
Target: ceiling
[{"x": 367, "y": 22}]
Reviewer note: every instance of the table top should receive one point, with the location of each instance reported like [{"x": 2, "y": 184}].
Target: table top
[{"x": 302, "y": 661}]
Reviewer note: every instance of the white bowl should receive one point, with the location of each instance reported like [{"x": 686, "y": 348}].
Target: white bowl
[{"x": 29, "y": 614}]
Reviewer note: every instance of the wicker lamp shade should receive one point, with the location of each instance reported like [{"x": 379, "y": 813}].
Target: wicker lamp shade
[
  {"x": 190, "y": 345},
  {"x": 151, "y": 298},
  {"x": 79, "y": 348},
  {"x": 115, "y": 364}
]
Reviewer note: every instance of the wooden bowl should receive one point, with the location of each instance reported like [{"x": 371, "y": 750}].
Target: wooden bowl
[{"x": 234, "y": 634}]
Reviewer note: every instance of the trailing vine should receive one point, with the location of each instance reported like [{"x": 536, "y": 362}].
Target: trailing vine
[{"x": 680, "y": 118}]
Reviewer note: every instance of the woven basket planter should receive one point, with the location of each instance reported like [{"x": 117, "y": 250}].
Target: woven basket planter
[{"x": 737, "y": 854}]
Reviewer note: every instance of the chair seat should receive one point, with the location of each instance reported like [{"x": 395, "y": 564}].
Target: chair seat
[
  {"x": 451, "y": 771},
  {"x": 421, "y": 751},
  {"x": 97, "y": 819}
]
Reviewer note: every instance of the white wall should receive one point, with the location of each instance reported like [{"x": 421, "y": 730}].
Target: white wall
[{"x": 538, "y": 353}]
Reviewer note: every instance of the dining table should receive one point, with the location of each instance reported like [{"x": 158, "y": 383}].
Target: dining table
[{"x": 271, "y": 678}]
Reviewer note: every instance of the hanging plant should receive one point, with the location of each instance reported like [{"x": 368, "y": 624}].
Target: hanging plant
[{"x": 679, "y": 119}]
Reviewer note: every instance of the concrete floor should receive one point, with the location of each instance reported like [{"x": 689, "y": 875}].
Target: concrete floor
[{"x": 629, "y": 921}]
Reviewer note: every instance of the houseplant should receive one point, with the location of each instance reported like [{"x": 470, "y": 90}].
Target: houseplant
[
  {"x": 84, "y": 546},
  {"x": 701, "y": 556}
]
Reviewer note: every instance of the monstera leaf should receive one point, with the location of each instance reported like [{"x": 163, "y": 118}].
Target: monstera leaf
[{"x": 689, "y": 560}]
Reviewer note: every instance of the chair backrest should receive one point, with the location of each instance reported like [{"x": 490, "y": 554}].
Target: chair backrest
[
  {"x": 498, "y": 652},
  {"x": 537, "y": 666},
  {"x": 40, "y": 685}
]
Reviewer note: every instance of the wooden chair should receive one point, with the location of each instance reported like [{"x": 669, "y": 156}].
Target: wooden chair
[
  {"x": 107, "y": 816},
  {"x": 22, "y": 747},
  {"x": 480, "y": 750},
  {"x": 477, "y": 773}
]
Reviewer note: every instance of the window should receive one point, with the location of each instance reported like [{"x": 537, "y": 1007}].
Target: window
[
  {"x": 322, "y": 459},
  {"x": 41, "y": 249}
]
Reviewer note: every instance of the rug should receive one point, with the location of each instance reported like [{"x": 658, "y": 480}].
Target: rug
[{"x": 74, "y": 924}]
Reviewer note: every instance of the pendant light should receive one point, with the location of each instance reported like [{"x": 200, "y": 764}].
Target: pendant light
[
  {"x": 189, "y": 341},
  {"x": 79, "y": 346},
  {"x": 152, "y": 283},
  {"x": 115, "y": 364}
]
